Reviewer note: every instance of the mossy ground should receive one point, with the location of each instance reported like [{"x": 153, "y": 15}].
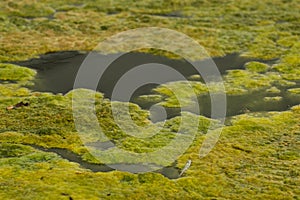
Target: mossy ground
[
  {"x": 265, "y": 29},
  {"x": 257, "y": 156}
]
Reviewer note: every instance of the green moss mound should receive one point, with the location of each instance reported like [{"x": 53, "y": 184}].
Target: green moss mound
[
  {"x": 256, "y": 67},
  {"x": 10, "y": 72}
]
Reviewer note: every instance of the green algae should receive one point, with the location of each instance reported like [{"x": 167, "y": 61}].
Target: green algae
[
  {"x": 273, "y": 90},
  {"x": 194, "y": 77},
  {"x": 257, "y": 77},
  {"x": 294, "y": 91},
  {"x": 276, "y": 98},
  {"x": 10, "y": 72},
  {"x": 175, "y": 97},
  {"x": 13, "y": 150},
  {"x": 266, "y": 143},
  {"x": 151, "y": 99},
  {"x": 252, "y": 143},
  {"x": 15, "y": 80},
  {"x": 256, "y": 67},
  {"x": 257, "y": 139},
  {"x": 28, "y": 9},
  {"x": 264, "y": 31},
  {"x": 48, "y": 122},
  {"x": 13, "y": 90}
]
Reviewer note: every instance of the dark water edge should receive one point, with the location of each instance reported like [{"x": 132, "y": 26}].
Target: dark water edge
[
  {"x": 171, "y": 172},
  {"x": 240, "y": 104},
  {"x": 57, "y": 72}
]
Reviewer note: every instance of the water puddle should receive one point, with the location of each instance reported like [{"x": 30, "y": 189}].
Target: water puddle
[
  {"x": 57, "y": 72},
  {"x": 170, "y": 172}
]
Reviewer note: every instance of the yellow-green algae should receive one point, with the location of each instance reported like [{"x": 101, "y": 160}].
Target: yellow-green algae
[
  {"x": 257, "y": 157},
  {"x": 294, "y": 90},
  {"x": 10, "y": 72},
  {"x": 273, "y": 90},
  {"x": 256, "y": 67},
  {"x": 264, "y": 29},
  {"x": 252, "y": 143},
  {"x": 256, "y": 77},
  {"x": 13, "y": 79},
  {"x": 276, "y": 98},
  {"x": 48, "y": 122}
]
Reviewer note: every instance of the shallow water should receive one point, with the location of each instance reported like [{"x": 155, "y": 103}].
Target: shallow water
[
  {"x": 57, "y": 72},
  {"x": 170, "y": 172}
]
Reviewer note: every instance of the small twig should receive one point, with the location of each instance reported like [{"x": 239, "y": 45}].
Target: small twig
[{"x": 187, "y": 165}]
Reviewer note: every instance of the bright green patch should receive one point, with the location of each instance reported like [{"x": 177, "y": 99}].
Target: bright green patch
[
  {"x": 294, "y": 91},
  {"x": 9, "y": 72},
  {"x": 256, "y": 67},
  {"x": 276, "y": 98}
]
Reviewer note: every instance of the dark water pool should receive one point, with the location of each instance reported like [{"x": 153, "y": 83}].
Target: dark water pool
[
  {"x": 57, "y": 72},
  {"x": 171, "y": 172}
]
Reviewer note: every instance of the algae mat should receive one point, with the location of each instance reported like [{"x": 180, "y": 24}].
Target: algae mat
[{"x": 257, "y": 156}]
